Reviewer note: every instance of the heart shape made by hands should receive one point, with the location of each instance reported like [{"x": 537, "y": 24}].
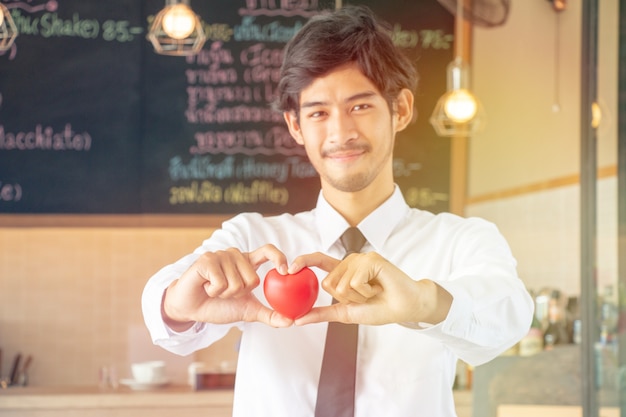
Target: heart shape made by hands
[{"x": 292, "y": 295}]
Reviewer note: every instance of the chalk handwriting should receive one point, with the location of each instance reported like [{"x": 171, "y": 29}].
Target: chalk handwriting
[
  {"x": 255, "y": 193},
  {"x": 252, "y": 168},
  {"x": 217, "y": 31},
  {"x": 210, "y": 64},
  {"x": 120, "y": 31},
  {"x": 404, "y": 38},
  {"x": 275, "y": 140},
  {"x": 212, "y": 57},
  {"x": 435, "y": 39},
  {"x": 237, "y": 114},
  {"x": 305, "y": 8},
  {"x": 50, "y": 5},
  {"x": 301, "y": 168},
  {"x": 261, "y": 74},
  {"x": 200, "y": 168},
  {"x": 239, "y": 193},
  {"x": 10, "y": 192},
  {"x": 211, "y": 76},
  {"x": 236, "y": 89},
  {"x": 258, "y": 54},
  {"x": 262, "y": 65},
  {"x": 248, "y": 101},
  {"x": 404, "y": 169},
  {"x": 199, "y": 193},
  {"x": 210, "y": 168},
  {"x": 423, "y": 197},
  {"x": 270, "y": 32},
  {"x": 215, "y": 95},
  {"x": 45, "y": 138},
  {"x": 52, "y": 24},
  {"x": 291, "y": 167}
]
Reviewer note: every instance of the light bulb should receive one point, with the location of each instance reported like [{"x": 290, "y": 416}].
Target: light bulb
[
  {"x": 179, "y": 21},
  {"x": 460, "y": 106}
]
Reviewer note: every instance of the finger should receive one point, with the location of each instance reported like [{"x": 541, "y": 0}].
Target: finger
[
  {"x": 354, "y": 280},
  {"x": 319, "y": 315},
  {"x": 349, "y": 296},
  {"x": 341, "y": 290},
  {"x": 226, "y": 273},
  {"x": 367, "y": 290},
  {"x": 210, "y": 269},
  {"x": 240, "y": 278},
  {"x": 268, "y": 316},
  {"x": 364, "y": 288},
  {"x": 269, "y": 253},
  {"x": 337, "y": 282},
  {"x": 317, "y": 259},
  {"x": 355, "y": 292}
]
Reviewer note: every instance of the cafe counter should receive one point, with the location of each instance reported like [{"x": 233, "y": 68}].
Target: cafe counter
[{"x": 180, "y": 401}]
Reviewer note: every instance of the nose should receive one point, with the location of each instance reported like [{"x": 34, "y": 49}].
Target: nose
[{"x": 342, "y": 128}]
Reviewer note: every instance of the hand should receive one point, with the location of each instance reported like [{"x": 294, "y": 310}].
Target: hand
[
  {"x": 371, "y": 290},
  {"x": 217, "y": 288}
]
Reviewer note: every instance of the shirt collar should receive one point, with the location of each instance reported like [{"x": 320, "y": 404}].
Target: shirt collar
[{"x": 376, "y": 227}]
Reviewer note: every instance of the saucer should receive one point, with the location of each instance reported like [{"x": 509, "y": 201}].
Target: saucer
[{"x": 142, "y": 386}]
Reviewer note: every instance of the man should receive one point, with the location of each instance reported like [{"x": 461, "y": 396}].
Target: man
[{"x": 425, "y": 290}]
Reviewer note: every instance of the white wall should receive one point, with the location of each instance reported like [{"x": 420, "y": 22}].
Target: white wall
[
  {"x": 513, "y": 71},
  {"x": 543, "y": 230},
  {"x": 530, "y": 153}
]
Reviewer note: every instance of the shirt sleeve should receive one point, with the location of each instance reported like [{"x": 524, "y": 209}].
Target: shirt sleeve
[
  {"x": 200, "y": 335},
  {"x": 491, "y": 308}
]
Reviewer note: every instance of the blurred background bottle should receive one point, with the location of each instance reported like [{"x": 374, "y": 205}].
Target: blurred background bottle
[{"x": 556, "y": 331}]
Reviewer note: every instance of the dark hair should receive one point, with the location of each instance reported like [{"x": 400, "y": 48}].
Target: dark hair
[{"x": 327, "y": 41}]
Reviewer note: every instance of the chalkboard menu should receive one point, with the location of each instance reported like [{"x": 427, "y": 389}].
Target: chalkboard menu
[{"x": 93, "y": 121}]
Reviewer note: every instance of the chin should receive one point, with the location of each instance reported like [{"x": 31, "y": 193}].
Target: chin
[{"x": 351, "y": 184}]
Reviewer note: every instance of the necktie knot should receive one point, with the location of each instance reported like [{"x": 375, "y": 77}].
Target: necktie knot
[{"x": 352, "y": 240}]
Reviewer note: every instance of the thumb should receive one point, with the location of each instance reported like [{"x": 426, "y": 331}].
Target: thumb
[{"x": 262, "y": 314}]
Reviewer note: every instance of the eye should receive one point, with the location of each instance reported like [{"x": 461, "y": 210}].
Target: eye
[
  {"x": 360, "y": 107},
  {"x": 316, "y": 114}
]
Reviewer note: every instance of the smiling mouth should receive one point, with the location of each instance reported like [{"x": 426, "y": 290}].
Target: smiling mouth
[
  {"x": 345, "y": 154},
  {"x": 345, "y": 157}
]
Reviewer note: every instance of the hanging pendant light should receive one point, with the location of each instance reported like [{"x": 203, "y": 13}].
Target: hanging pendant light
[
  {"x": 458, "y": 112},
  {"x": 177, "y": 30},
  {"x": 8, "y": 30}
]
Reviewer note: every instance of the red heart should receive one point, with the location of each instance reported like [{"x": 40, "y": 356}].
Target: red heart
[{"x": 292, "y": 295}]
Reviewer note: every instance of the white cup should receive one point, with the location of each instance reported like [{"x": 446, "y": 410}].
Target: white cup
[{"x": 146, "y": 372}]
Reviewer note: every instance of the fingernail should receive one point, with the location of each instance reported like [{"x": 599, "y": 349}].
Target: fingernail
[{"x": 282, "y": 269}]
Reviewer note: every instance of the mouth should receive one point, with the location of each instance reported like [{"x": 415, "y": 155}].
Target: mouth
[{"x": 343, "y": 155}]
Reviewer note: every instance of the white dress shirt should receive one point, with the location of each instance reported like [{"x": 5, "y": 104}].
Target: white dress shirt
[{"x": 402, "y": 370}]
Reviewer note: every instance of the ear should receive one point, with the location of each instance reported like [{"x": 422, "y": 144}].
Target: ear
[
  {"x": 294, "y": 126},
  {"x": 404, "y": 109}
]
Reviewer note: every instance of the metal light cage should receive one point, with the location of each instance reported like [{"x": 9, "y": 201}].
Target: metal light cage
[
  {"x": 442, "y": 122},
  {"x": 8, "y": 30},
  {"x": 167, "y": 45}
]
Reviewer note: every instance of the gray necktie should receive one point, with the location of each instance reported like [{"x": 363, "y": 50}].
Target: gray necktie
[{"x": 335, "y": 393}]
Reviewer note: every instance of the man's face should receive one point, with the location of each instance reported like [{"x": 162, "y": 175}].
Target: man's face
[{"x": 348, "y": 130}]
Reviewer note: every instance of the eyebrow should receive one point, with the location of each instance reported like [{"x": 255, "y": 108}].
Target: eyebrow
[{"x": 358, "y": 96}]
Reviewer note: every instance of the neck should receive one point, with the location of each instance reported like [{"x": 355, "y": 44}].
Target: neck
[{"x": 357, "y": 205}]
